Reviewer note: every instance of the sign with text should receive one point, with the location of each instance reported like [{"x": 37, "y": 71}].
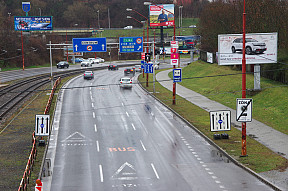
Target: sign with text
[
  {"x": 244, "y": 110},
  {"x": 177, "y": 75},
  {"x": 131, "y": 44},
  {"x": 32, "y": 23},
  {"x": 174, "y": 59},
  {"x": 260, "y": 48},
  {"x": 161, "y": 15},
  {"x": 89, "y": 45}
]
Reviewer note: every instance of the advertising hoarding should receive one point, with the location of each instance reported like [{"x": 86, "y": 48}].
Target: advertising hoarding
[
  {"x": 161, "y": 15},
  {"x": 260, "y": 48},
  {"x": 33, "y": 23}
]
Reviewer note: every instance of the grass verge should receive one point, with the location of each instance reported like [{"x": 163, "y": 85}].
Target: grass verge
[{"x": 260, "y": 158}]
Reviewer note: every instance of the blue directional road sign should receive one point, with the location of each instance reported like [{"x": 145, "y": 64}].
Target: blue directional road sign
[
  {"x": 131, "y": 44},
  {"x": 89, "y": 45},
  {"x": 177, "y": 75},
  {"x": 148, "y": 68},
  {"x": 26, "y": 6}
]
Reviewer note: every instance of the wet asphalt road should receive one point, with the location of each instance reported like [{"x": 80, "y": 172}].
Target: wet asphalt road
[{"x": 120, "y": 139}]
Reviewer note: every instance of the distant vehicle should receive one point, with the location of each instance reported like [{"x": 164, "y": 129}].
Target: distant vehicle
[
  {"x": 86, "y": 63},
  {"x": 113, "y": 67},
  {"x": 100, "y": 59},
  {"x": 128, "y": 27},
  {"x": 138, "y": 68},
  {"x": 88, "y": 75},
  {"x": 125, "y": 82},
  {"x": 251, "y": 46},
  {"x": 94, "y": 60},
  {"x": 192, "y": 26},
  {"x": 77, "y": 60},
  {"x": 62, "y": 64},
  {"x": 129, "y": 72}
]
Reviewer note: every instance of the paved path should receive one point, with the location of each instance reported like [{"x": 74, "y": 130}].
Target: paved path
[{"x": 266, "y": 135}]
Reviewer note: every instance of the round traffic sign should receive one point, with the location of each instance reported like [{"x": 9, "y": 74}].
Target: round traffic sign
[
  {"x": 89, "y": 48},
  {"x": 138, "y": 40}
]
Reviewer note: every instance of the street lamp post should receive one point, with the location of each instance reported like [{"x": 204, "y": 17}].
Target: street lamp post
[{"x": 98, "y": 19}]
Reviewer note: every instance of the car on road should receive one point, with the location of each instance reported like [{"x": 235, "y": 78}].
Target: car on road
[
  {"x": 129, "y": 72},
  {"x": 100, "y": 59},
  {"x": 88, "y": 75},
  {"x": 113, "y": 67},
  {"x": 125, "y": 82},
  {"x": 86, "y": 63},
  {"x": 251, "y": 46},
  {"x": 138, "y": 68},
  {"x": 62, "y": 64},
  {"x": 77, "y": 60},
  {"x": 94, "y": 60}
]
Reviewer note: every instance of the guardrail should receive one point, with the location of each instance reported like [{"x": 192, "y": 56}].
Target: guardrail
[{"x": 29, "y": 167}]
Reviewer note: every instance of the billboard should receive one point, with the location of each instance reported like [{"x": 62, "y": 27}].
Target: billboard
[
  {"x": 260, "y": 48},
  {"x": 161, "y": 15},
  {"x": 33, "y": 23}
]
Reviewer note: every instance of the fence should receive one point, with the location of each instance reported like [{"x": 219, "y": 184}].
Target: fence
[{"x": 29, "y": 167}]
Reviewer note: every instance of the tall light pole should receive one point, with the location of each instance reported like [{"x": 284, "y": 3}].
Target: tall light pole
[
  {"x": 180, "y": 16},
  {"x": 98, "y": 19}
]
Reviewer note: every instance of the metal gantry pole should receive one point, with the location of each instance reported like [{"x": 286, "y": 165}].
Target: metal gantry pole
[
  {"x": 153, "y": 47},
  {"x": 51, "y": 74}
]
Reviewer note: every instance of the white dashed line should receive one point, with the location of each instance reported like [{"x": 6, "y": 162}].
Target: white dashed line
[
  {"x": 98, "y": 148},
  {"x": 214, "y": 177},
  {"x": 101, "y": 173},
  {"x": 155, "y": 171},
  {"x": 122, "y": 104},
  {"x": 95, "y": 127},
  {"x": 133, "y": 127},
  {"x": 144, "y": 148},
  {"x": 93, "y": 105},
  {"x": 93, "y": 115},
  {"x": 127, "y": 114}
]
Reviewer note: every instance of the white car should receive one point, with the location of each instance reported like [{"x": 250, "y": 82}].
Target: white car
[
  {"x": 101, "y": 59},
  {"x": 94, "y": 60},
  {"x": 128, "y": 27},
  {"x": 251, "y": 46},
  {"x": 86, "y": 63},
  {"x": 125, "y": 82}
]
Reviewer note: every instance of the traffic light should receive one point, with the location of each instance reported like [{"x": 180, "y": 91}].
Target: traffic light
[{"x": 147, "y": 57}]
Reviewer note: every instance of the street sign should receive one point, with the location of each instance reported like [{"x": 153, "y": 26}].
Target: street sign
[
  {"x": 143, "y": 56},
  {"x": 177, "y": 75},
  {"x": 244, "y": 110},
  {"x": 26, "y": 6},
  {"x": 89, "y": 45},
  {"x": 174, "y": 44},
  {"x": 42, "y": 125},
  {"x": 174, "y": 58},
  {"x": 131, "y": 44},
  {"x": 220, "y": 120},
  {"x": 148, "y": 68}
]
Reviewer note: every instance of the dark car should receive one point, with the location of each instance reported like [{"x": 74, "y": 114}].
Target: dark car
[
  {"x": 62, "y": 64},
  {"x": 89, "y": 75},
  {"x": 113, "y": 67},
  {"x": 129, "y": 72}
]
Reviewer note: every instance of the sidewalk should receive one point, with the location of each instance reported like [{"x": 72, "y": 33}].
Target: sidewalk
[{"x": 273, "y": 139}]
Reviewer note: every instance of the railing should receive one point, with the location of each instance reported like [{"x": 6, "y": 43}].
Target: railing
[{"x": 29, "y": 167}]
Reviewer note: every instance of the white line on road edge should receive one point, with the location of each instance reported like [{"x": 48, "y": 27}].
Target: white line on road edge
[
  {"x": 95, "y": 127},
  {"x": 155, "y": 171},
  {"x": 97, "y": 143},
  {"x": 144, "y": 148},
  {"x": 127, "y": 114},
  {"x": 93, "y": 115},
  {"x": 101, "y": 173},
  {"x": 133, "y": 127}
]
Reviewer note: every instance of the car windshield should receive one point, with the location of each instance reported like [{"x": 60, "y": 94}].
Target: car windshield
[{"x": 251, "y": 40}]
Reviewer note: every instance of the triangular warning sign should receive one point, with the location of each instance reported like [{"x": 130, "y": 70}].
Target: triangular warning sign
[
  {"x": 76, "y": 137},
  {"x": 38, "y": 188},
  {"x": 125, "y": 172}
]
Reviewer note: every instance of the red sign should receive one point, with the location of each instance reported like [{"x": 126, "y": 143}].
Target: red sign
[
  {"x": 174, "y": 55},
  {"x": 173, "y": 50}
]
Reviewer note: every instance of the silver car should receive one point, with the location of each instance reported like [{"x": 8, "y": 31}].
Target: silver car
[{"x": 125, "y": 82}]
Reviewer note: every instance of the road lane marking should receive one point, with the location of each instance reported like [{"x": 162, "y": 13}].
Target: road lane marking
[
  {"x": 93, "y": 105},
  {"x": 95, "y": 127},
  {"x": 144, "y": 148},
  {"x": 98, "y": 148},
  {"x": 122, "y": 104},
  {"x": 93, "y": 115},
  {"x": 101, "y": 173},
  {"x": 127, "y": 114},
  {"x": 133, "y": 127},
  {"x": 90, "y": 88},
  {"x": 155, "y": 171}
]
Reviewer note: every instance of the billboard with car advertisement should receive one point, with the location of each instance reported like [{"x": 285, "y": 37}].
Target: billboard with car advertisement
[
  {"x": 260, "y": 48},
  {"x": 161, "y": 15},
  {"x": 33, "y": 23}
]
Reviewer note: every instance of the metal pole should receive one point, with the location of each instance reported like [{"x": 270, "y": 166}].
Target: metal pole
[
  {"x": 22, "y": 50},
  {"x": 153, "y": 47},
  {"x": 143, "y": 44},
  {"x": 244, "y": 151},
  {"x": 147, "y": 50},
  {"x": 51, "y": 74},
  {"x": 174, "y": 84},
  {"x": 66, "y": 47}
]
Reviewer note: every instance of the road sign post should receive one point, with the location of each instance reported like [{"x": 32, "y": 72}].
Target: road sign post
[
  {"x": 42, "y": 127},
  {"x": 177, "y": 75},
  {"x": 220, "y": 120}
]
